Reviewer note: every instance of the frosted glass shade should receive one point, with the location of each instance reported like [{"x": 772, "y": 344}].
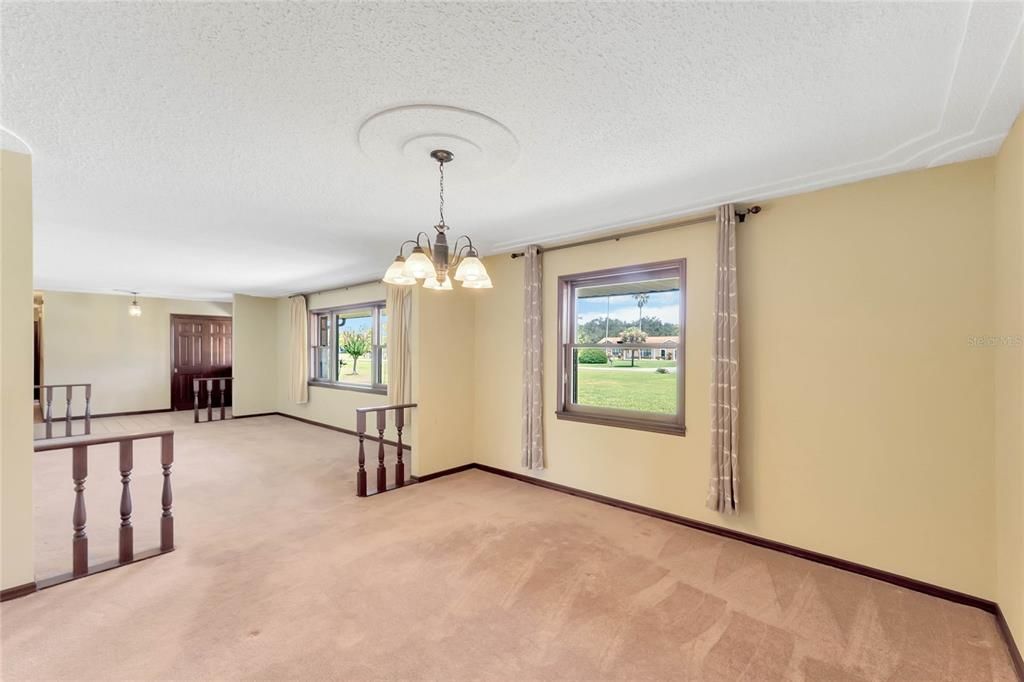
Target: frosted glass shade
[
  {"x": 135, "y": 310},
  {"x": 432, "y": 283},
  {"x": 471, "y": 270},
  {"x": 396, "y": 274},
  {"x": 478, "y": 284},
  {"x": 419, "y": 265}
]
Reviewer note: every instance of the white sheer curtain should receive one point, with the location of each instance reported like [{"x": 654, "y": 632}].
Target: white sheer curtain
[
  {"x": 399, "y": 310},
  {"x": 723, "y": 489},
  {"x": 298, "y": 352},
  {"x": 533, "y": 348}
]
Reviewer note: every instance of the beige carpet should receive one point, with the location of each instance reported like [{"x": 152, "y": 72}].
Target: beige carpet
[{"x": 282, "y": 573}]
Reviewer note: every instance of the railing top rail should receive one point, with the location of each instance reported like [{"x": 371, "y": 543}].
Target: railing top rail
[
  {"x": 382, "y": 408},
  {"x": 210, "y": 378},
  {"x": 57, "y": 385},
  {"x": 101, "y": 440}
]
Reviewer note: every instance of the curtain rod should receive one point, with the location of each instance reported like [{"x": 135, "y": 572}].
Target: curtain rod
[{"x": 741, "y": 215}]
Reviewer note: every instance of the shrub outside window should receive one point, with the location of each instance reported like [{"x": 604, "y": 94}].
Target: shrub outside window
[
  {"x": 621, "y": 340},
  {"x": 348, "y": 347}
]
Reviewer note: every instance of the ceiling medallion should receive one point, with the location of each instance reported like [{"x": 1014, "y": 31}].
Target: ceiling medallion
[{"x": 431, "y": 262}]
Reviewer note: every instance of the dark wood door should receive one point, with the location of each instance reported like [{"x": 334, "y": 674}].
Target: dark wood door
[{"x": 200, "y": 348}]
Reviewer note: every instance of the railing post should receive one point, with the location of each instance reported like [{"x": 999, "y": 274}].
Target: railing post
[
  {"x": 88, "y": 409},
  {"x": 195, "y": 400},
  {"x": 223, "y": 384},
  {"x": 361, "y": 473},
  {"x": 67, "y": 410},
  {"x": 79, "y": 541},
  {"x": 399, "y": 464},
  {"x": 166, "y": 499},
  {"x": 209, "y": 400},
  {"x": 382, "y": 473},
  {"x": 49, "y": 411},
  {"x": 126, "y": 540}
]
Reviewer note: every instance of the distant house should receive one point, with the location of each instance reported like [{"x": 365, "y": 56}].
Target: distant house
[{"x": 656, "y": 347}]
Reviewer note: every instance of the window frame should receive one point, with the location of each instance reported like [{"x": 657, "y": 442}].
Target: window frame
[
  {"x": 674, "y": 424},
  {"x": 378, "y": 309}
]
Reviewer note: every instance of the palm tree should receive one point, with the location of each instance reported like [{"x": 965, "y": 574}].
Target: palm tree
[{"x": 641, "y": 301}]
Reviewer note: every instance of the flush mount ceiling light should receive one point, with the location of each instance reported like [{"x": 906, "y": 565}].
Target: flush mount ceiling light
[{"x": 431, "y": 262}]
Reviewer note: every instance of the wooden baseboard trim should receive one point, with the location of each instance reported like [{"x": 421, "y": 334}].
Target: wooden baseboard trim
[
  {"x": 19, "y": 591},
  {"x": 446, "y": 472},
  {"x": 250, "y": 416},
  {"x": 1015, "y": 655},
  {"x": 810, "y": 555},
  {"x": 340, "y": 429},
  {"x": 100, "y": 568}
]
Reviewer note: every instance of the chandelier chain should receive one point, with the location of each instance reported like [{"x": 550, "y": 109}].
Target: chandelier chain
[{"x": 441, "y": 205}]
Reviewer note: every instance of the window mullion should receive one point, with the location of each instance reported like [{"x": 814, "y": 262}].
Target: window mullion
[{"x": 333, "y": 336}]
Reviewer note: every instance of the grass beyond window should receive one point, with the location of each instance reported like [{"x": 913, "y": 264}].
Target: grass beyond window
[{"x": 639, "y": 388}]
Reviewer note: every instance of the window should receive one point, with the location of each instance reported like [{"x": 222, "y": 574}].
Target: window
[
  {"x": 348, "y": 347},
  {"x": 621, "y": 340}
]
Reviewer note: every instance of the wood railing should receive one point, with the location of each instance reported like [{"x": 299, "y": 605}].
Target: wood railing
[
  {"x": 223, "y": 383},
  {"x": 126, "y": 540},
  {"x": 382, "y": 425},
  {"x": 46, "y": 396}
]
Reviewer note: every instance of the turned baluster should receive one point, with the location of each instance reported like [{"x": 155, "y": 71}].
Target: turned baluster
[
  {"x": 88, "y": 409},
  {"x": 361, "y": 473},
  {"x": 223, "y": 385},
  {"x": 167, "y": 518},
  {"x": 382, "y": 473},
  {"x": 195, "y": 400},
  {"x": 209, "y": 400},
  {"x": 49, "y": 411},
  {"x": 125, "y": 540},
  {"x": 400, "y": 464},
  {"x": 79, "y": 541},
  {"x": 67, "y": 410}
]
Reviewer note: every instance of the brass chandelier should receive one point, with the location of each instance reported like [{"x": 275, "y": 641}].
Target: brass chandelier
[{"x": 434, "y": 263}]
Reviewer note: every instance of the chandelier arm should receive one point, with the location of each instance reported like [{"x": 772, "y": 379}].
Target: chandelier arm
[
  {"x": 459, "y": 252},
  {"x": 429, "y": 247},
  {"x": 401, "y": 248}
]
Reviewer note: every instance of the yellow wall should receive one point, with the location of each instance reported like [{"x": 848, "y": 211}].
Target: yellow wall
[
  {"x": 866, "y": 416},
  {"x": 90, "y": 338},
  {"x": 15, "y": 369},
  {"x": 255, "y": 356},
  {"x": 443, "y": 376},
  {"x": 1008, "y": 327}
]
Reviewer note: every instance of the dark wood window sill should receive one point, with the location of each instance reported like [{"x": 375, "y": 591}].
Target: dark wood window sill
[
  {"x": 637, "y": 424},
  {"x": 349, "y": 387}
]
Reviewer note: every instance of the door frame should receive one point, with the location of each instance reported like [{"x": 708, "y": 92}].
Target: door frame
[{"x": 186, "y": 316}]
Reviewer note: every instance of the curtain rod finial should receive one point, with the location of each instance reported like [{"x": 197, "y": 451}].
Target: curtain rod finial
[{"x": 753, "y": 210}]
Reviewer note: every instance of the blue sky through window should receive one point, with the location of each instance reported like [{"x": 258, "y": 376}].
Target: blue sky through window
[
  {"x": 663, "y": 305},
  {"x": 355, "y": 324}
]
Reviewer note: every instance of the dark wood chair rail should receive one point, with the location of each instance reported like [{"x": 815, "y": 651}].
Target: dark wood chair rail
[
  {"x": 222, "y": 385},
  {"x": 382, "y": 425},
  {"x": 46, "y": 393},
  {"x": 79, "y": 471}
]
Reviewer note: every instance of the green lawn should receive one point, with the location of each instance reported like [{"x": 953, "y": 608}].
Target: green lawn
[{"x": 642, "y": 389}]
